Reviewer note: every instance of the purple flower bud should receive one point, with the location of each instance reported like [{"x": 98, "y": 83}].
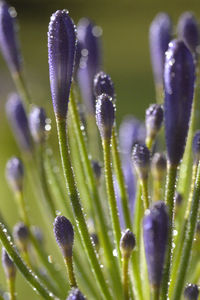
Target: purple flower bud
[
  {"x": 196, "y": 147},
  {"x": 191, "y": 292},
  {"x": 154, "y": 119},
  {"x": 90, "y": 63},
  {"x": 21, "y": 235},
  {"x": 103, "y": 84},
  {"x": 141, "y": 160},
  {"x": 15, "y": 173},
  {"x": 188, "y": 31},
  {"x": 105, "y": 116},
  {"x": 179, "y": 81},
  {"x": 37, "y": 122},
  {"x": 17, "y": 116},
  {"x": 8, "y": 38},
  {"x": 64, "y": 234},
  {"x": 75, "y": 294},
  {"x": 155, "y": 235},
  {"x": 127, "y": 243},
  {"x": 61, "y": 53},
  {"x": 8, "y": 265},
  {"x": 158, "y": 165},
  {"x": 131, "y": 132},
  {"x": 159, "y": 36}
]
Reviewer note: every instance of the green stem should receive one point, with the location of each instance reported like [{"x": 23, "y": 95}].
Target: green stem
[
  {"x": 120, "y": 179},
  {"x": 96, "y": 202},
  {"x": 138, "y": 212},
  {"x": 70, "y": 271},
  {"x": 21, "y": 87},
  {"x": 111, "y": 195},
  {"x": 155, "y": 293},
  {"x": 74, "y": 197},
  {"x": 125, "y": 262},
  {"x": 136, "y": 277},
  {"x": 26, "y": 272},
  {"x": 169, "y": 200},
  {"x": 145, "y": 196},
  {"x": 187, "y": 247},
  {"x": 11, "y": 286}
]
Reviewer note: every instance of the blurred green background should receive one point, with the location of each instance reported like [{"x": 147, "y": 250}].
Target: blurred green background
[{"x": 125, "y": 25}]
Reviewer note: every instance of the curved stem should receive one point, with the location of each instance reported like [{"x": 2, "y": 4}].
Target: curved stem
[
  {"x": 169, "y": 200},
  {"x": 120, "y": 179},
  {"x": 125, "y": 262},
  {"x": 190, "y": 231},
  {"x": 11, "y": 286},
  {"x": 111, "y": 195},
  {"x": 70, "y": 271},
  {"x": 78, "y": 212},
  {"x": 21, "y": 87},
  {"x": 26, "y": 272}
]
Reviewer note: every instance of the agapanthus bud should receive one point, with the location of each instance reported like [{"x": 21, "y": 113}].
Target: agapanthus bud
[
  {"x": 96, "y": 169},
  {"x": 191, "y": 292},
  {"x": 188, "y": 31},
  {"x": 64, "y": 234},
  {"x": 154, "y": 119},
  {"x": 131, "y": 131},
  {"x": 38, "y": 234},
  {"x": 127, "y": 243},
  {"x": 15, "y": 173},
  {"x": 158, "y": 165},
  {"x": 141, "y": 160},
  {"x": 75, "y": 294},
  {"x": 8, "y": 264},
  {"x": 61, "y": 53},
  {"x": 179, "y": 78},
  {"x": 159, "y": 36},
  {"x": 90, "y": 63},
  {"x": 105, "y": 116},
  {"x": 103, "y": 84},
  {"x": 155, "y": 235},
  {"x": 196, "y": 146},
  {"x": 95, "y": 240},
  {"x": 17, "y": 116},
  {"x": 21, "y": 235},
  {"x": 37, "y": 122},
  {"x": 8, "y": 38}
]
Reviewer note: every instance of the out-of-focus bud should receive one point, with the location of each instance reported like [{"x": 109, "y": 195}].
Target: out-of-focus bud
[
  {"x": 127, "y": 243},
  {"x": 95, "y": 240},
  {"x": 97, "y": 170},
  {"x": 15, "y": 173},
  {"x": 17, "y": 116},
  {"x": 61, "y": 53},
  {"x": 178, "y": 199},
  {"x": 141, "y": 160},
  {"x": 158, "y": 166},
  {"x": 37, "y": 122},
  {"x": 8, "y": 38},
  {"x": 179, "y": 79},
  {"x": 8, "y": 265},
  {"x": 38, "y": 234},
  {"x": 191, "y": 292},
  {"x": 64, "y": 234},
  {"x": 188, "y": 31},
  {"x": 196, "y": 147},
  {"x": 75, "y": 294},
  {"x": 105, "y": 116},
  {"x": 153, "y": 122},
  {"x": 103, "y": 84},
  {"x": 155, "y": 235},
  {"x": 21, "y": 236},
  {"x": 90, "y": 63},
  {"x": 160, "y": 35}
]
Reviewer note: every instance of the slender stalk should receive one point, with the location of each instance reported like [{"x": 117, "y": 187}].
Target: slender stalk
[
  {"x": 111, "y": 195},
  {"x": 169, "y": 200},
  {"x": 157, "y": 189},
  {"x": 79, "y": 215},
  {"x": 137, "y": 286},
  {"x": 11, "y": 286},
  {"x": 26, "y": 272},
  {"x": 190, "y": 231},
  {"x": 96, "y": 202},
  {"x": 21, "y": 87},
  {"x": 70, "y": 271},
  {"x": 138, "y": 212},
  {"x": 125, "y": 262},
  {"x": 120, "y": 179},
  {"x": 145, "y": 196},
  {"x": 155, "y": 293}
]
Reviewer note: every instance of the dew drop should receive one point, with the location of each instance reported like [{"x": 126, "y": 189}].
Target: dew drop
[
  {"x": 50, "y": 259},
  {"x": 115, "y": 252}
]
